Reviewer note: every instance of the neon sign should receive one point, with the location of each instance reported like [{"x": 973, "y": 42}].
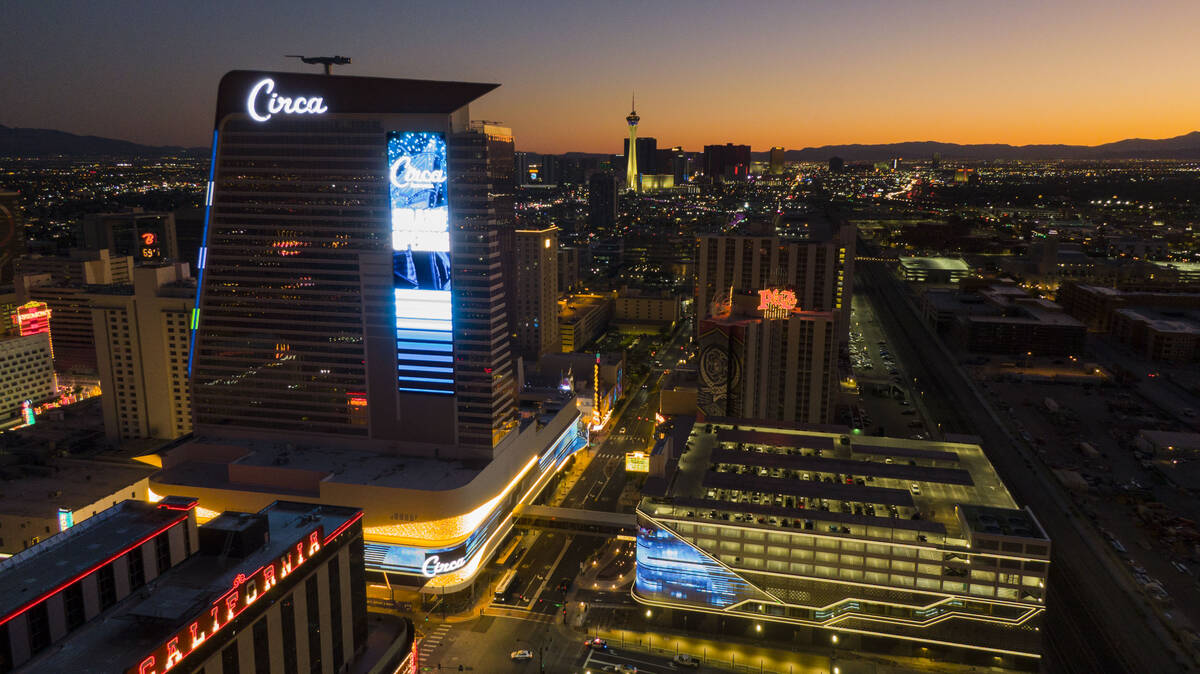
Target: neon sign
[
  {"x": 148, "y": 238},
  {"x": 776, "y": 304},
  {"x": 246, "y": 591},
  {"x": 276, "y": 104},
  {"x": 433, "y": 566}
]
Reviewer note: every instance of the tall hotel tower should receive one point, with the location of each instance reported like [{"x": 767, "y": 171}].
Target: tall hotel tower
[
  {"x": 351, "y": 332},
  {"x": 341, "y": 210},
  {"x": 631, "y": 167}
]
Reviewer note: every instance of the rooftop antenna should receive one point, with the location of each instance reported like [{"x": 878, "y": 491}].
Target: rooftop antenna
[{"x": 327, "y": 61}]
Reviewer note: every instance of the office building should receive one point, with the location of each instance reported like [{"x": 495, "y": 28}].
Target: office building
[
  {"x": 141, "y": 588},
  {"x": 727, "y": 162},
  {"x": 631, "y": 149},
  {"x": 775, "y": 161},
  {"x": 535, "y": 317},
  {"x": 909, "y": 547},
  {"x": 807, "y": 254},
  {"x": 602, "y": 202},
  {"x": 581, "y": 319},
  {"x": 763, "y": 358},
  {"x": 142, "y": 342},
  {"x": 12, "y": 234},
  {"x": 26, "y": 375},
  {"x": 145, "y": 237},
  {"x": 355, "y": 348}
]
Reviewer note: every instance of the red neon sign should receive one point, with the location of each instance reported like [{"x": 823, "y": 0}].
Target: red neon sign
[
  {"x": 32, "y": 318},
  {"x": 148, "y": 238},
  {"x": 776, "y": 303},
  {"x": 245, "y": 591}
]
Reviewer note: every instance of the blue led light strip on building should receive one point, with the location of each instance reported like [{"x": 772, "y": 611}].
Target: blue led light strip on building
[{"x": 202, "y": 257}]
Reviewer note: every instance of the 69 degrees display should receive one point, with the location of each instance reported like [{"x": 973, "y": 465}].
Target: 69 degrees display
[{"x": 421, "y": 261}]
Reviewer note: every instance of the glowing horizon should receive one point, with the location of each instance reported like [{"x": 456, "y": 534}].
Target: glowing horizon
[{"x": 802, "y": 74}]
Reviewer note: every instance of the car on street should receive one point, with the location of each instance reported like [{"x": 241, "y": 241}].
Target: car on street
[
  {"x": 596, "y": 644},
  {"x": 622, "y": 668},
  {"x": 685, "y": 660},
  {"x": 521, "y": 655},
  {"x": 916, "y": 489}
]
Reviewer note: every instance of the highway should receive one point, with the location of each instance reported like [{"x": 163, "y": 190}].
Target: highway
[{"x": 1093, "y": 623}]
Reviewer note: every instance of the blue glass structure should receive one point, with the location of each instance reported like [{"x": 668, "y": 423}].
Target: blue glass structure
[{"x": 669, "y": 568}]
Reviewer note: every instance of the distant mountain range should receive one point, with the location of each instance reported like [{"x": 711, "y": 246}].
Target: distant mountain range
[
  {"x": 16, "y": 142},
  {"x": 1179, "y": 147}
]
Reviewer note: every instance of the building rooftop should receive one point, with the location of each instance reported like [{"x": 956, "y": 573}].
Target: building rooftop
[
  {"x": 936, "y": 263},
  {"x": 1001, "y": 521},
  {"x": 774, "y": 476},
  {"x": 1182, "y": 321},
  {"x": 574, "y": 307},
  {"x": 57, "y": 561},
  {"x": 67, "y": 483},
  {"x": 145, "y": 620}
]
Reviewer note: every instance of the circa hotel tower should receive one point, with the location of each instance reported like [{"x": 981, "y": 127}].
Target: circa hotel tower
[{"x": 348, "y": 277}]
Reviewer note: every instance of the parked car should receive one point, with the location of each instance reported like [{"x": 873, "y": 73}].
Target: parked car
[{"x": 521, "y": 655}]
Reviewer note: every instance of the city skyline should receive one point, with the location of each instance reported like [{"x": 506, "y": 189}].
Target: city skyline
[{"x": 802, "y": 76}]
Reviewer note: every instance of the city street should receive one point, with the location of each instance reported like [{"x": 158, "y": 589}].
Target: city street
[{"x": 1093, "y": 621}]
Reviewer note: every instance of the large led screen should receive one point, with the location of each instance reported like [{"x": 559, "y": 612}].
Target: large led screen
[{"x": 421, "y": 261}]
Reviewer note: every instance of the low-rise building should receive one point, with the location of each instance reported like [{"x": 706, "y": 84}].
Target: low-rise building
[
  {"x": 640, "y": 311},
  {"x": 1169, "y": 444},
  {"x": 892, "y": 544},
  {"x": 40, "y": 497},
  {"x": 1003, "y": 318},
  {"x": 142, "y": 589},
  {"x": 582, "y": 318}
]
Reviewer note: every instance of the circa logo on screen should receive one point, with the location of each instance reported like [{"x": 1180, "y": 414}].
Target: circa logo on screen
[
  {"x": 435, "y": 567},
  {"x": 404, "y": 175},
  {"x": 276, "y": 104}
]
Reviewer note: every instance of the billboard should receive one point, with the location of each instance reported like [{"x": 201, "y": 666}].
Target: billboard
[{"x": 420, "y": 212}]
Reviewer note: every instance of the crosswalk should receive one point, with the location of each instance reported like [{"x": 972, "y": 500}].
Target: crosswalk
[{"x": 431, "y": 641}]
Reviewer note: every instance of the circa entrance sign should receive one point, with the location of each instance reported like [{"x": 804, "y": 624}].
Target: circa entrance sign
[
  {"x": 435, "y": 567},
  {"x": 277, "y": 104}
]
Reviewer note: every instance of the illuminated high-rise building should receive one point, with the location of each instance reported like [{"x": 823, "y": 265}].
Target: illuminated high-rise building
[
  {"x": 142, "y": 352},
  {"x": 535, "y": 302},
  {"x": 313, "y": 293},
  {"x": 803, "y": 251},
  {"x": 631, "y": 160},
  {"x": 352, "y": 339},
  {"x": 775, "y": 163}
]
